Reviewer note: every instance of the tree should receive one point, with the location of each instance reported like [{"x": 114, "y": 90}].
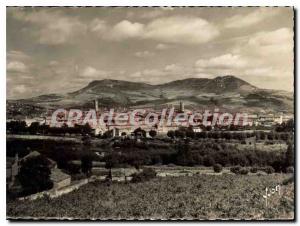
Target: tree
[
  {"x": 16, "y": 127},
  {"x": 269, "y": 170},
  {"x": 139, "y": 131},
  {"x": 208, "y": 161},
  {"x": 86, "y": 165},
  {"x": 34, "y": 128},
  {"x": 112, "y": 160},
  {"x": 171, "y": 134},
  {"x": 218, "y": 168},
  {"x": 190, "y": 133},
  {"x": 290, "y": 125},
  {"x": 284, "y": 136},
  {"x": 289, "y": 155},
  {"x": 152, "y": 133},
  {"x": 262, "y": 135},
  {"x": 34, "y": 175},
  {"x": 146, "y": 175},
  {"x": 73, "y": 168},
  {"x": 86, "y": 129},
  {"x": 214, "y": 101},
  {"x": 107, "y": 134},
  {"x": 184, "y": 155},
  {"x": 136, "y": 159},
  {"x": 86, "y": 140},
  {"x": 179, "y": 134},
  {"x": 271, "y": 136}
]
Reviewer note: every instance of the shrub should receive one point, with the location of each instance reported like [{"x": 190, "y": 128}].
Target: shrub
[
  {"x": 152, "y": 133},
  {"x": 288, "y": 181},
  {"x": 253, "y": 170},
  {"x": 73, "y": 168},
  {"x": 244, "y": 171},
  {"x": 208, "y": 161},
  {"x": 149, "y": 173},
  {"x": 146, "y": 175},
  {"x": 171, "y": 134},
  {"x": 235, "y": 169},
  {"x": 290, "y": 169},
  {"x": 217, "y": 168},
  {"x": 136, "y": 178},
  {"x": 34, "y": 175},
  {"x": 269, "y": 170}
]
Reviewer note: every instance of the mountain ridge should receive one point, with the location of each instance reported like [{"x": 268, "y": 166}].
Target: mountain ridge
[{"x": 227, "y": 92}]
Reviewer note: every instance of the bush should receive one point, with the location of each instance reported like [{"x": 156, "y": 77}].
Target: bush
[
  {"x": 208, "y": 161},
  {"x": 217, "y": 168},
  {"x": 288, "y": 181},
  {"x": 244, "y": 171},
  {"x": 73, "y": 168},
  {"x": 137, "y": 178},
  {"x": 235, "y": 169},
  {"x": 152, "y": 133},
  {"x": 146, "y": 175},
  {"x": 290, "y": 169},
  {"x": 34, "y": 175},
  {"x": 149, "y": 173},
  {"x": 253, "y": 170},
  {"x": 269, "y": 170}
]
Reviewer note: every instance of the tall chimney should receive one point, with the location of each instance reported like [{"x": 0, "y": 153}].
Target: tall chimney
[
  {"x": 181, "y": 107},
  {"x": 96, "y": 105}
]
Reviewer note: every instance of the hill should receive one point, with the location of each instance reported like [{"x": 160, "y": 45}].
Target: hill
[{"x": 225, "y": 92}]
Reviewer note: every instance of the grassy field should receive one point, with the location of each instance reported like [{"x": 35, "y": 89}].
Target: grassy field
[{"x": 198, "y": 197}]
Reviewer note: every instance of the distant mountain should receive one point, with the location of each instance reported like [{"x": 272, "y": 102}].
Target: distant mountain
[
  {"x": 221, "y": 84},
  {"x": 225, "y": 92}
]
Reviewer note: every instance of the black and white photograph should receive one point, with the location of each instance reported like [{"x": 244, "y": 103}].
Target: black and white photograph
[{"x": 150, "y": 113}]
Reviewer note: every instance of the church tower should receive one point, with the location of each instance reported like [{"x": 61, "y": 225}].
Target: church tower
[{"x": 181, "y": 106}]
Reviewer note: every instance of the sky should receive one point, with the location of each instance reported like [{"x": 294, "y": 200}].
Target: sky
[{"x": 61, "y": 49}]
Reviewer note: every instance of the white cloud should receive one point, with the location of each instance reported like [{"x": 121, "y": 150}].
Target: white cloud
[
  {"x": 165, "y": 74},
  {"x": 152, "y": 14},
  {"x": 63, "y": 30},
  {"x": 262, "y": 71},
  {"x": 20, "y": 89},
  {"x": 98, "y": 26},
  {"x": 176, "y": 29},
  {"x": 223, "y": 61},
  {"x": 53, "y": 63},
  {"x": 16, "y": 66},
  {"x": 124, "y": 30},
  {"x": 53, "y": 27},
  {"x": 179, "y": 29},
  {"x": 174, "y": 68},
  {"x": 279, "y": 41},
  {"x": 242, "y": 20},
  {"x": 149, "y": 13},
  {"x": 270, "y": 48},
  {"x": 144, "y": 54},
  {"x": 162, "y": 46},
  {"x": 17, "y": 55},
  {"x": 137, "y": 74},
  {"x": 93, "y": 73},
  {"x": 262, "y": 56},
  {"x": 205, "y": 75}
]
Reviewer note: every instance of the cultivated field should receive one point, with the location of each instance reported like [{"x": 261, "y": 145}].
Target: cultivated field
[{"x": 225, "y": 196}]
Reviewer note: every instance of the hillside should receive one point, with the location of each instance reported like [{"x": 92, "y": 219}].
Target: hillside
[{"x": 226, "y": 92}]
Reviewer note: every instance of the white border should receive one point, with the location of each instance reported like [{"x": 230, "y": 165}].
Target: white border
[{"x": 106, "y": 3}]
